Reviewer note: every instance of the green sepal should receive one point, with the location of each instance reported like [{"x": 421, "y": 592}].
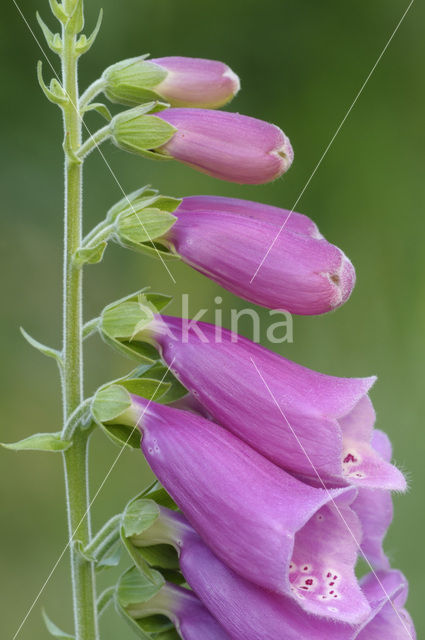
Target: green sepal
[
  {"x": 39, "y": 442},
  {"x": 84, "y": 43},
  {"x": 54, "y": 630},
  {"x": 134, "y": 199},
  {"x": 139, "y": 132},
  {"x": 139, "y": 515},
  {"x": 110, "y": 402},
  {"x": 53, "y": 40},
  {"x": 137, "y": 587},
  {"x": 159, "y": 371},
  {"x": 46, "y": 351},
  {"x": 90, "y": 255},
  {"x": 132, "y": 82},
  {"x": 121, "y": 320},
  {"x": 136, "y": 228},
  {"x": 127, "y": 319},
  {"x": 100, "y": 108}
]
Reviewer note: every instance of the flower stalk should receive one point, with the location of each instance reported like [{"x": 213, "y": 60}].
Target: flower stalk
[{"x": 75, "y": 458}]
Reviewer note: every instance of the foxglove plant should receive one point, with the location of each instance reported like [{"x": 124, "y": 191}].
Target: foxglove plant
[{"x": 274, "y": 478}]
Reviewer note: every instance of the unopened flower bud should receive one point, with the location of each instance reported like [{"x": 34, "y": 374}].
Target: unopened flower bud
[{"x": 183, "y": 82}]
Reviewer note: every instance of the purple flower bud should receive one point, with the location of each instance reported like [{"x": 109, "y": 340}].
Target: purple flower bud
[
  {"x": 306, "y": 422},
  {"x": 196, "y": 82},
  {"x": 266, "y": 525},
  {"x": 375, "y": 510},
  {"x": 183, "y": 82},
  {"x": 249, "y": 612},
  {"x": 226, "y": 145},
  {"x": 228, "y": 239},
  {"x": 192, "y": 620}
]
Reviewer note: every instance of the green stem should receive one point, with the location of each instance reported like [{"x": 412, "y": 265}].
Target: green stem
[
  {"x": 108, "y": 535},
  {"x": 91, "y": 92},
  {"x": 75, "y": 458},
  {"x": 94, "y": 141},
  {"x": 100, "y": 233}
]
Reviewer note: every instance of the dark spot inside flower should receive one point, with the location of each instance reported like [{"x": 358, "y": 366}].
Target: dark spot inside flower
[
  {"x": 350, "y": 458},
  {"x": 336, "y": 279}
]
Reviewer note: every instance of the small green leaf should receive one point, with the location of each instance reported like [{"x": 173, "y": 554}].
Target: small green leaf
[
  {"x": 90, "y": 255},
  {"x": 110, "y": 402},
  {"x": 39, "y": 442},
  {"x": 84, "y": 43},
  {"x": 100, "y": 108},
  {"x": 144, "y": 226},
  {"x": 47, "y": 351},
  {"x": 55, "y": 93},
  {"x": 54, "y": 629},
  {"x": 53, "y": 40}
]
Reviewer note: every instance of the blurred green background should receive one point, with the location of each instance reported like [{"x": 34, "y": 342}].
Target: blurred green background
[{"x": 301, "y": 63}]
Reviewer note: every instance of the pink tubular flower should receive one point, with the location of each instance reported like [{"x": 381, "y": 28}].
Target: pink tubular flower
[
  {"x": 311, "y": 424},
  {"x": 226, "y": 145},
  {"x": 266, "y": 525},
  {"x": 267, "y": 255}
]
